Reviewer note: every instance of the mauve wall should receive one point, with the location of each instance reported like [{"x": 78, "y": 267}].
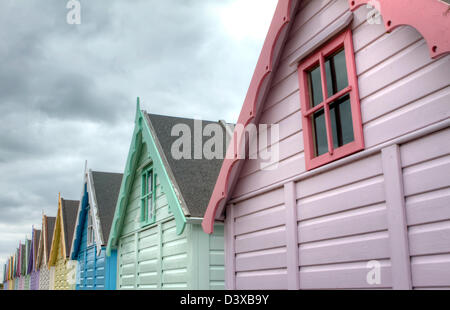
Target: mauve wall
[
  {"x": 34, "y": 284},
  {"x": 391, "y": 205}
]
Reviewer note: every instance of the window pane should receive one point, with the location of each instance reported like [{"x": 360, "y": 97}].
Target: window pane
[
  {"x": 341, "y": 121},
  {"x": 150, "y": 182},
  {"x": 150, "y": 207},
  {"x": 336, "y": 72},
  {"x": 315, "y": 87},
  {"x": 320, "y": 133}
]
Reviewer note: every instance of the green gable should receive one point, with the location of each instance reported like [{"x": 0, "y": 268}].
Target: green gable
[{"x": 143, "y": 150}]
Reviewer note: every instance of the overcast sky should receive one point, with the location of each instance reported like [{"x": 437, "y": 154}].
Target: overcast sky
[{"x": 68, "y": 92}]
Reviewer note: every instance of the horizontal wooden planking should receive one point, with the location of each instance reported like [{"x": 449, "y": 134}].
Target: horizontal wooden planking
[
  {"x": 428, "y": 239},
  {"x": 170, "y": 234},
  {"x": 264, "y": 259},
  {"x": 306, "y": 11},
  {"x": 127, "y": 269},
  {"x": 421, "y": 113},
  {"x": 288, "y": 168},
  {"x": 127, "y": 280},
  {"x": 427, "y": 176},
  {"x": 260, "y": 220},
  {"x": 398, "y": 94},
  {"x": 385, "y": 47},
  {"x": 175, "y": 247},
  {"x": 394, "y": 68},
  {"x": 276, "y": 113},
  {"x": 310, "y": 29},
  {"x": 363, "y": 34},
  {"x": 431, "y": 271},
  {"x": 428, "y": 207},
  {"x": 359, "y": 221},
  {"x": 282, "y": 90},
  {"x": 288, "y": 147},
  {"x": 149, "y": 241},
  {"x": 175, "y": 276},
  {"x": 344, "y": 276},
  {"x": 216, "y": 240},
  {"x": 362, "y": 169},
  {"x": 175, "y": 261},
  {"x": 354, "y": 195},
  {"x": 217, "y": 273},
  {"x": 175, "y": 286},
  {"x": 127, "y": 258},
  {"x": 348, "y": 249},
  {"x": 425, "y": 148},
  {"x": 149, "y": 265},
  {"x": 216, "y": 258},
  {"x": 259, "y": 203},
  {"x": 268, "y": 238},
  {"x": 148, "y": 278},
  {"x": 262, "y": 280}
]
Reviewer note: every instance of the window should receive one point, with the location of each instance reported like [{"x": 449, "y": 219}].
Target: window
[
  {"x": 90, "y": 230},
  {"x": 331, "y": 115},
  {"x": 148, "y": 196}
]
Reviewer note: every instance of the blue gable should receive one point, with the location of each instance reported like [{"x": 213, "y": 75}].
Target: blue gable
[{"x": 81, "y": 223}]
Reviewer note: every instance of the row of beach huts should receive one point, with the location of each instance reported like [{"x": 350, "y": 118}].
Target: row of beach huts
[{"x": 355, "y": 194}]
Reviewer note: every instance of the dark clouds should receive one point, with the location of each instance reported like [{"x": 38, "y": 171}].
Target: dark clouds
[{"x": 68, "y": 92}]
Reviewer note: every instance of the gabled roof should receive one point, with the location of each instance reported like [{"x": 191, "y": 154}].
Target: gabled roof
[
  {"x": 23, "y": 260},
  {"x": 433, "y": 24},
  {"x": 251, "y": 109},
  {"x": 45, "y": 240},
  {"x": 69, "y": 211},
  {"x": 36, "y": 235},
  {"x": 64, "y": 228},
  {"x": 51, "y": 221},
  {"x": 187, "y": 183},
  {"x": 107, "y": 187},
  {"x": 195, "y": 178},
  {"x": 101, "y": 190}
]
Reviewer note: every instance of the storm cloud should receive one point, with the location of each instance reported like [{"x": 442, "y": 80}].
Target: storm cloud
[{"x": 68, "y": 92}]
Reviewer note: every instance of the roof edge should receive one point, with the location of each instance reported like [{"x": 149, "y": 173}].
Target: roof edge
[{"x": 264, "y": 68}]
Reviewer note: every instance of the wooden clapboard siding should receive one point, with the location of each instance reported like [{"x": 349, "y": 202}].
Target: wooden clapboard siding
[
  {"x": 426, "y": 171},
  {"x": 156, "y": 257},
  {"x": 95, "y": 271},
  {"x": 287, "y": 230},
  {"x": 44, "y": 278},
  {"x": 27, "y": 283},
  {"x": 399, "y": 84},
  {"x": 34, "y": 280}
]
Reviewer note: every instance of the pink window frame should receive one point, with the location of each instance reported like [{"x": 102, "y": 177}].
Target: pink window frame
[{"x": 318, "y": 57}]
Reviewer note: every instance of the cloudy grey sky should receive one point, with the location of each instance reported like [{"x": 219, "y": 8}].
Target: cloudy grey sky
[{"x": 68, "y": 92}]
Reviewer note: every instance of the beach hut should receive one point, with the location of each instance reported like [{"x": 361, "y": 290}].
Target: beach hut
[
  {"x": 43, "y": 251},
  {"x": 32, "y": 260},
  {"x": 156, "y": 228},
  {"x": 25, "y": 266},
  {"x": 95, "y": 270},
  {"x": 359, "y": 194},
  {"x": 62, "y": 269},
  {"x": 21, "y": 267}
]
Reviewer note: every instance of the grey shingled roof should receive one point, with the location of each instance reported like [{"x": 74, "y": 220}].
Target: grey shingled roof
[
  {"x": 34, "y": 251},
  {"x": 195, "y": 178},
  {"x": 107, "y": 187},
  {"x": 69, "y": 213},
  {"x": 49, "y": 233}
]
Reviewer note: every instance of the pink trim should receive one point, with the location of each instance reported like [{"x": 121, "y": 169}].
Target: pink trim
[
  {"x": 430, "y": 17},
  {"x": 344, "y": 39},
  {"x": 264, "y": 67}
]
